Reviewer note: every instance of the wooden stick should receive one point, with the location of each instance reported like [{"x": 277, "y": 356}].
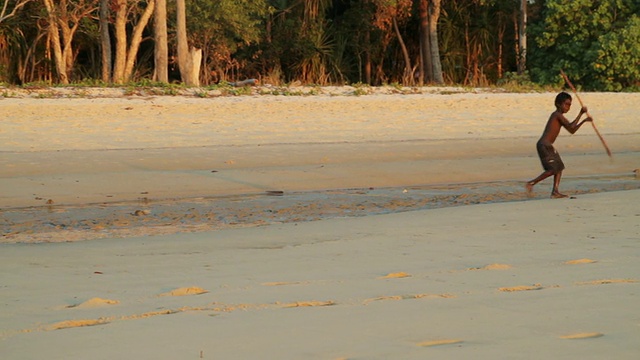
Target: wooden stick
[{"x": 575, "y": 92}]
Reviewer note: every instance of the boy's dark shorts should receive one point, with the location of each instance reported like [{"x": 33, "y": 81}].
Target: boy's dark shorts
[{"x": 549, "y": 158}]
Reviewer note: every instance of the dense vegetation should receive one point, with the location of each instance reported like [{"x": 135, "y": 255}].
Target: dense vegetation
[{"x": 322, "y": 42}]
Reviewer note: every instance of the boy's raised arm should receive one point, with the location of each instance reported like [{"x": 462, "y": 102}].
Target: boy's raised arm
[{"x": 583, "y": 111}]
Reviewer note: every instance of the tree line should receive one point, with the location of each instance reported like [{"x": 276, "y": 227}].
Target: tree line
[{"x": 322, "y": 42}]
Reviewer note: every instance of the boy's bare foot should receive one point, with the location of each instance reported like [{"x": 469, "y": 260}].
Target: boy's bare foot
[
  {"x": 529, "y": 187},
  {"x": 557, "y": 195}
]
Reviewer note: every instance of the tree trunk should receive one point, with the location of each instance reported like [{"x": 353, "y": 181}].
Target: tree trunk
[
  {"x": 436, "y": 67},
  {"x": 121, "y": 41},
  {"x": 105, "y": 41},
  {"x": 186, "y": 58},
  {"x": 367, "y": 59},
  {"x": 184, "y": 63},
  {"x": 136, "y": 39},
  {"x": 161, "y": 49},
  {"x": 67, "y": 37},
  {"x": 196, "y": 60},
  {"x": 126, "y": 56},
  {"x": 407, "y": 79},
  {"x": 501, "y": 30},
  {"x": 516, "y": 33},
  {"x": 54, "y": 31},
  {"x": 425, "y": 46},
  {"x": 522, "y": 38},
  {"x": 68, "y": 15},
  {"x": 30, "y": 61},
  {"x": 64, "y": 19}
]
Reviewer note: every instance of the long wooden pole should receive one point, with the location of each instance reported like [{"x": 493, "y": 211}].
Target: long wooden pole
[{"x": 575, "y": 92}]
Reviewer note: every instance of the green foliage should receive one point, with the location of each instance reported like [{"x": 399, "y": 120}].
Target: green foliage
[
  {"x": 617, "y": 63},
  {"x": 7, "y": 94},
  {"x": 229, "y": 23},
  {"x": 302, "y": 44},
  {"x": 89, "y": 82},
  {"x": 357, "y": 37},
  {"x": 226, "y": 30},
  {"x": 595, "y": 42},
  {"x": 469, "y": 41},
  {"x": 239, "y": 91},
  {"x": 513, "y": 78},
  {"x": 150, "y": 83},
  {"x": 514, "y": 82},
  {"x": 288, "y": 91}
]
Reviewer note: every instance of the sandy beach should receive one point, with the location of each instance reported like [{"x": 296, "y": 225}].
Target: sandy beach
[{"x": 392, "y": 225}]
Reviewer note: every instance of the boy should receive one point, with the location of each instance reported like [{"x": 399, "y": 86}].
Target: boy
[{"x": 549, "y": 157}]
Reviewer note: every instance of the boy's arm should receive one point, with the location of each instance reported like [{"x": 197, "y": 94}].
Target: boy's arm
[
  {"x": 573, "y": 126},
  {"x": 583, "y": 110}
]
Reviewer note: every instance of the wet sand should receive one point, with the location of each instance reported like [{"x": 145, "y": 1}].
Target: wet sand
[{"x": 78, "y": 168}]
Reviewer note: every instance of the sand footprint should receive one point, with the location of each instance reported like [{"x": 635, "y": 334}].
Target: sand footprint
[
  {"x": 579, "y": 261},
  {"x": 398, "y": 275},
  {"x": 308, "y": 304},
  {"x": 185, "y": 291},
  {"x": 521, "y": 288},
  {"x": 578, "y": 336},
  {"x": 105, "y": 320},
  {"x": 430, "y": 343},
  {"x": 76, "y": 323},
  {"x": 493, "y": 267},
  {"x": 94, "y": 302},
  {"x": 283, "y": 283},
  {"x": 407, "y": 297},
  {"x": 608, "y": 281}
]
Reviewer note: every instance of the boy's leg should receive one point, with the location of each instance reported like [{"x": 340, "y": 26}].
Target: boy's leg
[
  {"x": 529, "y": 185},
  {"x": 555, "y": 194}
]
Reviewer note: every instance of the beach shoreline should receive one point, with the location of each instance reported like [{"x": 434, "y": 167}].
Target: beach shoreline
[{"x": 123, "y": 158}]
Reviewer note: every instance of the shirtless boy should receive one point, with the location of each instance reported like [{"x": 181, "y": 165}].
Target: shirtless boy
[{"x": 549, "y": 157}]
